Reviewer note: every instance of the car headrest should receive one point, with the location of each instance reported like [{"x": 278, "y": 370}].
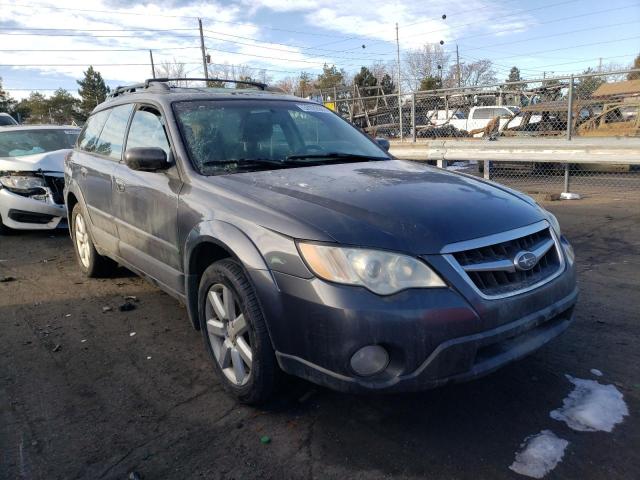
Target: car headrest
[{"x": 258, "y": 127}]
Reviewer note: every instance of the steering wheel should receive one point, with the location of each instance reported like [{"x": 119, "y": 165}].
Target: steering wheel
[{"x": 313, "y": 148}]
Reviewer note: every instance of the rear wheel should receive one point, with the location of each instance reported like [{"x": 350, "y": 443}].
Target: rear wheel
[
  {"x": 90, "y": 261},
  {"x": 235, "y": 333}
]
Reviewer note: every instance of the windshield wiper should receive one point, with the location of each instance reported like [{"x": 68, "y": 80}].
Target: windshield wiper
[
  {"x": 245, "y": 163},
  {"x": 332, "y": 156}
]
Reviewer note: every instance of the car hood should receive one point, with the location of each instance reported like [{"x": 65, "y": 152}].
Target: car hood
[
  {"x": 47, "y": 162},
  {"x": 396, "y": 205}
]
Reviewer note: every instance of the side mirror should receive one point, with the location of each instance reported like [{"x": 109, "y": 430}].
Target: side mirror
[
  {"x": 146, "y": 159},
  {"x": 384, "y": 143}
]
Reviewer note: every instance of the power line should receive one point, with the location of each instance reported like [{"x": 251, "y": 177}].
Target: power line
[
  {"x": 282, "y": 44},
  {"x": 98, "y": 29},
  {"x": 570, "y": 17},
  {"x": 92, "y": 49},
  {"x": 449, "y": 27},
  {"x": 281, "y": 50},
  {"x": 553, "y": 35},
  {"x": 280, "y": 58}
]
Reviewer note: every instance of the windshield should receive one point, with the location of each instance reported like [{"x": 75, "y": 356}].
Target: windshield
[
  {"x": 226, "y": 136},
  {"x": 20, "y": 143}
]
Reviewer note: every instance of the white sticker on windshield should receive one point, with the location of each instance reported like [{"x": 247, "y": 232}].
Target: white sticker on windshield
[
  {"x": 71, "y": 132},
  {"x": 311, "y": 107}
]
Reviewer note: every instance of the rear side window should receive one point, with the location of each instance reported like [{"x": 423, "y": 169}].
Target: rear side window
[
  {"x": 501, "y": 112},
  {"x": 147, "y": 130},
  {"x": 89, "y": 136},
  {"x": 483, "y": 113},
  {"x": 112, "y": 135}
]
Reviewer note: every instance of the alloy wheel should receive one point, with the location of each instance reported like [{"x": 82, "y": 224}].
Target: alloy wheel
[
  {"x": 228, "y": 333},
  {"x": 82, "y": 241}
]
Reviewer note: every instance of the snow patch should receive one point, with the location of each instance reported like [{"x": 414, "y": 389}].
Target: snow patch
[
  {"x": 592, "y": 407},
  {"x": 458, "y": 166},
  {"x": 539, "y": 454},
  {"x": 596, "y": 372}
]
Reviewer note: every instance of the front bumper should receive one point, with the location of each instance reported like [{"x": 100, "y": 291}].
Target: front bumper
[
  {"x": 24, "y": 213},
  {"x": 433, "y": 336}
]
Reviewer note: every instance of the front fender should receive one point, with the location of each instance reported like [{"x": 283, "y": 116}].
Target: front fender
[{"x": 226, "y": 236}]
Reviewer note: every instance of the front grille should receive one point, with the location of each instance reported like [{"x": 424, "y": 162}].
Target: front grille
[
  {"x": 492, "y": 268},
  {"x": 56, "y": 185}
]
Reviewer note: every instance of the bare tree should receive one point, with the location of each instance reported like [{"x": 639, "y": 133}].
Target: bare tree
[
  {"x": 172, "y": 69},
  {"x": 423, "y": 63},
  {"x": 287, "y": 84},
  {"x": 480, "y": 72}
]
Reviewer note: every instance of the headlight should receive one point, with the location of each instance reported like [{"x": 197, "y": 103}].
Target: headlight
[
  {"x": 381, "y": 272},
  {"x": 24, "y": 184}
]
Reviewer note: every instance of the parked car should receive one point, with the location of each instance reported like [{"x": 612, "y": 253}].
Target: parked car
[
  {"x": 299, "y": 245},
  {"x": 31, "y": 176},
  {"x": 615, "y": 119},
  {"x": 7, "y": 120},
  {"x": 550, "y": 118},
  {"x": 479, "y": 117}
]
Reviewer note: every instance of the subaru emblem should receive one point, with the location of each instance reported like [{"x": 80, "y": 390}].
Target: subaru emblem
[{"x": 525, "y": 261}]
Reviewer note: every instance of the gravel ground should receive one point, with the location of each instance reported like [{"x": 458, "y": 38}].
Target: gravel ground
[{"x": 88, "y": 393}]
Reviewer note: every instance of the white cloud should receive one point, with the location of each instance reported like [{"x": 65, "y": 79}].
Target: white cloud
[{"x": 371, "y": 22}]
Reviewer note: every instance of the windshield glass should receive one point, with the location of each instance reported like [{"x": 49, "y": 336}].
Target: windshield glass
[
  {"x": 225, "y": 136},
  {"x": 20, "y": 143}
]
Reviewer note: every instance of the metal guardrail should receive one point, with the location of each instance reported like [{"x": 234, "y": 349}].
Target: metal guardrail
[
  {"x": 585, "y": 165},
  {"x": 578, "y": 150}
]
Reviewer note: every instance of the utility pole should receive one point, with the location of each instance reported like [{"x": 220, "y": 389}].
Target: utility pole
[
  {"x": 153, "y": 67},
  {"x": 600, "y": 65},
  {"x": 204, "y": 53},
  {"x": 458, "y": 66},
  {"x": 399, "y": 82}
]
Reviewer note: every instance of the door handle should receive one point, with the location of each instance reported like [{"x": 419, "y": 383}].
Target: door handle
[
  {"x": 83, "y": 171},
  {"x": 120, "y": 185}
]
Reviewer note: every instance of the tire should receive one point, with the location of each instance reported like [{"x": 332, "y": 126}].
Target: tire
[
  {"x": 4, "y": 230},
  {"x": 91, "y": 263},
  {"x": 232, "y": 344}
]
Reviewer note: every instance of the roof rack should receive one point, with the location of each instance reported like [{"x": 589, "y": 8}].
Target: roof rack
[{"x": 147, "y": 83}]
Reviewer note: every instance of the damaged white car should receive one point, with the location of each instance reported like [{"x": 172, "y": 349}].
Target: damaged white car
[{"x": 31, "y": 176}]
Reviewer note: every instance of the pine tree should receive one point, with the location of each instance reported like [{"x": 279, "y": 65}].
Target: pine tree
[
  {"x": 330, "y": 77},
  {"x": 387, "y": 84},
  {"x": 92, "y": 91},
  {"x": 6, "y": 102},
  {"x": 514, "y": 75},
  {"x": 365, "y": 78}
]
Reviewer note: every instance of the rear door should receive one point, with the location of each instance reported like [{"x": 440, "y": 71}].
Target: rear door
[
  {"x": 146, "y": 204},
  {"x": 99, "y": 151}
]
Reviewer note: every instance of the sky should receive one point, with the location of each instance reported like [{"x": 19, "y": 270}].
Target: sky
[{"x": 47, "y": 44}]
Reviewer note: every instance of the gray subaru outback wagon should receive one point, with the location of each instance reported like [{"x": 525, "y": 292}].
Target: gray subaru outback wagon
[{"x": 299, "y": 245}]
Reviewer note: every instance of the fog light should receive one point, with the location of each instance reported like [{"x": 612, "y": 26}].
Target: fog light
[{"x": 369, "y": 360}]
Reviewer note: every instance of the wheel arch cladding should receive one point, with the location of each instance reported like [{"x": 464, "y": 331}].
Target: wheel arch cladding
[{"x": 207, "y": 243}]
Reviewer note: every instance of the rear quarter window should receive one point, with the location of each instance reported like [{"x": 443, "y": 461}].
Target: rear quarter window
[{"x": 111, "y": 137}]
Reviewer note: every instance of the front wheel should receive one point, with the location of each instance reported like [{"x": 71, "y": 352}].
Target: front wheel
[
  {"x": 4, "y": 230},
  {"x": 90, "y": 261},
  {"x": 235, "y": 333}
]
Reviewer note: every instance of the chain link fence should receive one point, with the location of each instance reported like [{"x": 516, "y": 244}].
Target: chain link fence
[
  {"x": 555, "y": 178},
  {"x": 589, "y": 106}
]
